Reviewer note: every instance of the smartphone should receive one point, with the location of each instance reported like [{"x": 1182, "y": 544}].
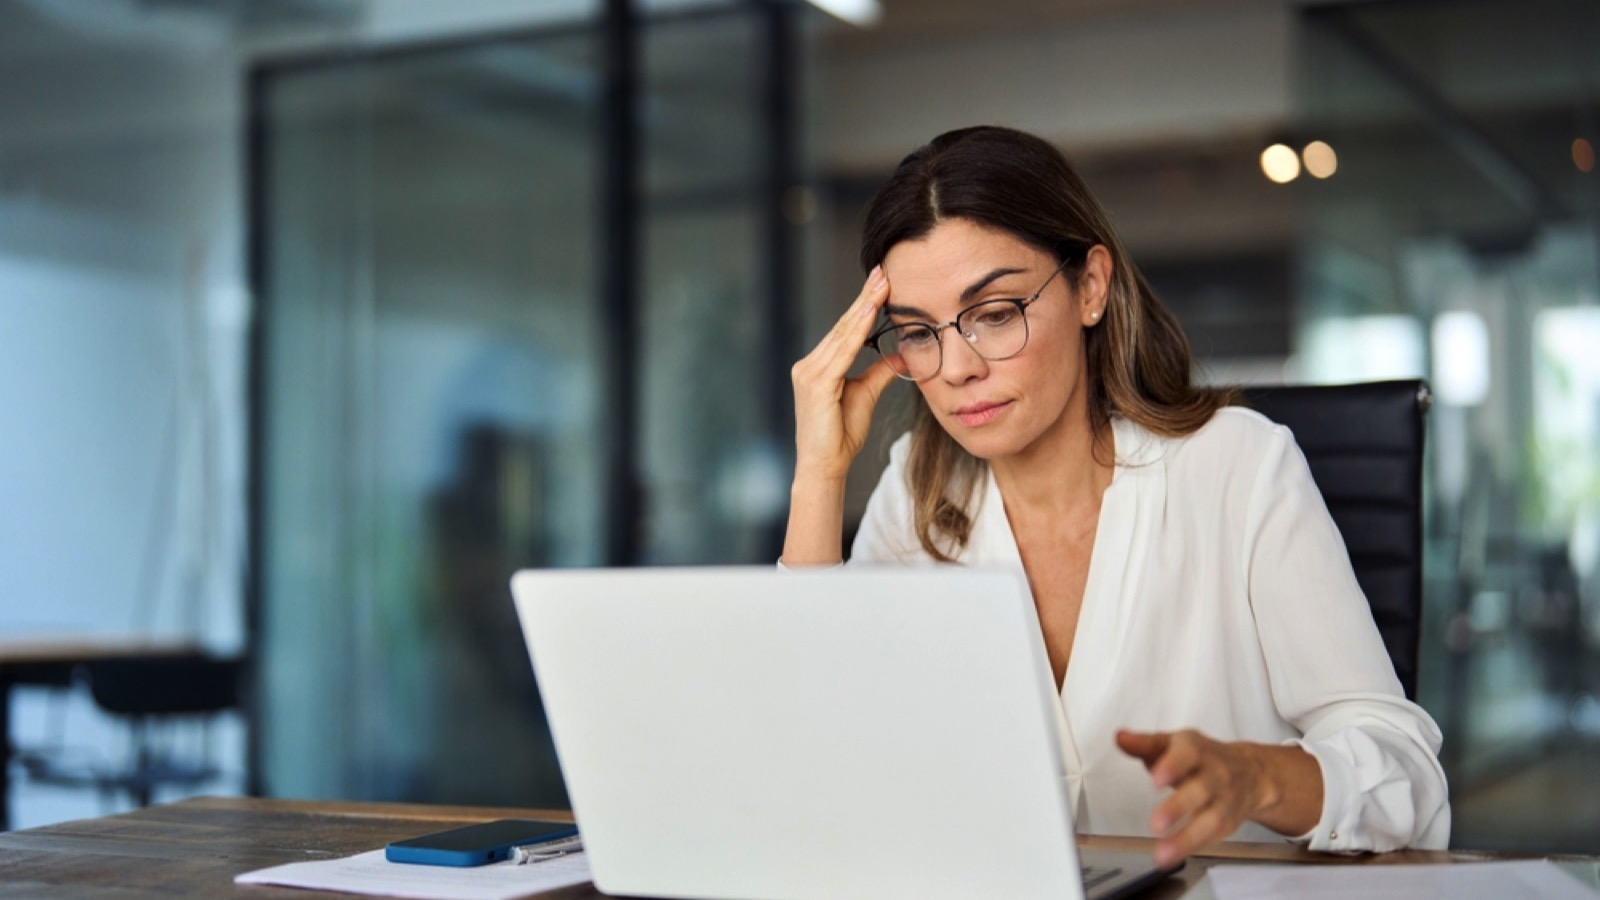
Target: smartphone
[{"x": 477, "y": 845}]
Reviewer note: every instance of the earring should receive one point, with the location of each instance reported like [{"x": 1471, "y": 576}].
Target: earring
[{"x": 1094, "y": 316}]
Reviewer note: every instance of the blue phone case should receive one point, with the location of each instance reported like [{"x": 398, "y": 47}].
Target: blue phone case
[{"x": 476, "y": 845}]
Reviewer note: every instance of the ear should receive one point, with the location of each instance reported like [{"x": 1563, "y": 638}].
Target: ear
[{"x": 1094, "y": 286}]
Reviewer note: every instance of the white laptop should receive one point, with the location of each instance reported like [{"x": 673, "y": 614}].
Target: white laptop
[{"x": 765, "y": 735}]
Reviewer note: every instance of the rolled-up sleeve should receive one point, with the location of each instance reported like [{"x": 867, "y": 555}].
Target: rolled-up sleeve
[{"x": 1383, "y": 787}]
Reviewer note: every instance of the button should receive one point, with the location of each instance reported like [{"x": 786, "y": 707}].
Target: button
[{"x": 1333, "y": 835}]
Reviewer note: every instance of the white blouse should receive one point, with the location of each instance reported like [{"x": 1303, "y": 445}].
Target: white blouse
[{"x": 1219, "y": 597}]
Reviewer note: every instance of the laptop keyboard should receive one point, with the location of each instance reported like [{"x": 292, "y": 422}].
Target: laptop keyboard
[{"x": 1095, "y": 875}]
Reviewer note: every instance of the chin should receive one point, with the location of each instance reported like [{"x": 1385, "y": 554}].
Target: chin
[{"x": 983, "y": 443}]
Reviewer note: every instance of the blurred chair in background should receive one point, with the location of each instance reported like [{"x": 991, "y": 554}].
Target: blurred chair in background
[{"x": 162, "y": 701}]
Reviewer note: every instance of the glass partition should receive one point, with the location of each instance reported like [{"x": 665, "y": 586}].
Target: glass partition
[
  {"x": 435, "y": 403},
  {"x": 715, "y": 480},
  {"x": 432, "y": 414},
  {"x": 1459, "y": 239}
]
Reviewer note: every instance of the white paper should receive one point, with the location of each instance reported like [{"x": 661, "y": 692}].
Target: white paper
[
  {"x": 370, "y": 873},
  {"x": 1459, "y": 881}
]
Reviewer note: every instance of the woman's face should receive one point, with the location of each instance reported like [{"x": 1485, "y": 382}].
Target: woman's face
[{"x": 998, "y": 408}]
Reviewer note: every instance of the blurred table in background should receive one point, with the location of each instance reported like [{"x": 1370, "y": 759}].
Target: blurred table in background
[{"x": 50, "y": 661}]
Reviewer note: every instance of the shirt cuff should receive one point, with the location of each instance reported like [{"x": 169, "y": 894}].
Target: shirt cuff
[{"x": 1336, "y": 829}]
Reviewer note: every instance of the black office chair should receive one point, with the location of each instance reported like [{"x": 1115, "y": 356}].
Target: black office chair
[
  {"x": 1364, "y": 443},
  {"x": 156, "y": 697}
]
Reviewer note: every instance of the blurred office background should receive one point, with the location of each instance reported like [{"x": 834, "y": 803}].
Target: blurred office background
[{"x": 319, "y": 317}]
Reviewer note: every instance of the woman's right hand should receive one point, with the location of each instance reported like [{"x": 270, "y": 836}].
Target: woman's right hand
[{"x": 832, "y": 411}]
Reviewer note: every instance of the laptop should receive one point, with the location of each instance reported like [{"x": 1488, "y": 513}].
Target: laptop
[{"x": 758, "y": 734}]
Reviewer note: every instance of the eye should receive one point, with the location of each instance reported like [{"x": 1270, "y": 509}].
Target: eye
[
  {"x": 913, "y": 335},
  {"x": 994, "y": 315}
]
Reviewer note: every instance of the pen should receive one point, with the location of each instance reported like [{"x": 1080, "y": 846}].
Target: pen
[{"x": 546, "y": 850}]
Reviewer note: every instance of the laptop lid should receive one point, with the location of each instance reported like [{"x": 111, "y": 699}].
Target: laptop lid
[{"x": 752, "y": 733}]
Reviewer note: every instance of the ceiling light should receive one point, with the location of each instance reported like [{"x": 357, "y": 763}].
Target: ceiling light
[
  {"x": 1280, "y": 164},
  {"x": 1583, "y": 155},
  {"x": 1321, "y": 161},
  {"x": 862, "y": 13}
]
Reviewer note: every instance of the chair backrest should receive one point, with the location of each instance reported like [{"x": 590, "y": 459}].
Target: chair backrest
[
  {"x": 165, "y": 686},
  {"x": 1364, "y": 444}
]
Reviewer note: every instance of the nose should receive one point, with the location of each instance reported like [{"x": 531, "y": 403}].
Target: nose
[{"x": 961, "y": 360}]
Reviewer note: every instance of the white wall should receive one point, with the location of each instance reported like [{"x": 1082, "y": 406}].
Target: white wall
[{"x": 121, "y": 327}]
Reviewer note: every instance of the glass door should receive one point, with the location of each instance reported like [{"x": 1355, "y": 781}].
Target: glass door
[
  {"x": 431, "y": 410},
  {"x": 441, "y": 394}
]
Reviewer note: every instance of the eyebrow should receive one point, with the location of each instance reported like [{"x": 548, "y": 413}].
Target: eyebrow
[{"x": 967, "y": 295}]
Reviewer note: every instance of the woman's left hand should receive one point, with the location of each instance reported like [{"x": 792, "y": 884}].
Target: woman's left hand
[{"x": 1219, "y": 785}]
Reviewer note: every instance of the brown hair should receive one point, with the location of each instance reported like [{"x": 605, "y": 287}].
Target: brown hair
[{"x": 1138, "y": 358}]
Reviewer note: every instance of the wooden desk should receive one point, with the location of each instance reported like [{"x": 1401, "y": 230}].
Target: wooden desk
[
  {"x": 50, "y": 660},
  {"x": 194, "y": 848}
]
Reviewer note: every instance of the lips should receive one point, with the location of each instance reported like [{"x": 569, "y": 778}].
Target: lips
[{"x": 976, "y": 414}]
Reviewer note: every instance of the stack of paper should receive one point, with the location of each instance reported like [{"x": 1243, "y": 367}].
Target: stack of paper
[{"x": 370, "y": 873}]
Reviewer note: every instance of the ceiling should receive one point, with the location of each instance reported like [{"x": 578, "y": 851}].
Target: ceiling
[
  {"x": 1163, "y": 102},
  {"x": 904, "y": 19}
]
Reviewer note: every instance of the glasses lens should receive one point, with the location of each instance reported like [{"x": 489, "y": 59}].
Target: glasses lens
[
  {"x": 996, "y": 329},
  {"x": 911, "y": 350}
]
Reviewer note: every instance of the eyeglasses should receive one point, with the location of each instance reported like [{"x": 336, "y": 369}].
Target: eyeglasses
[{"x": 995, "y": 329}]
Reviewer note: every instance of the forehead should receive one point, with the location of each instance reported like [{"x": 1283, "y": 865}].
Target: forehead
[{"x": 954, "y": 255}]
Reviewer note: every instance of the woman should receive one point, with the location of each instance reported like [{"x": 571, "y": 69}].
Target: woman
[{"x": 1219, "y": 669}]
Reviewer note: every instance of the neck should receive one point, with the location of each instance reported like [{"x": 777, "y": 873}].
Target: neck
[{"x": 1066, "y": 470}]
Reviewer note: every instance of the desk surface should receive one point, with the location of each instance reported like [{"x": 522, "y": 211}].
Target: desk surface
[{"x": 196, "y": 847}]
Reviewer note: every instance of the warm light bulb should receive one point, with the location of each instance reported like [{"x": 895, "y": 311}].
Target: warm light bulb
[
  {"x": 1280, "y": 164},
  {"x": 1583, "y": 155},
  {"x": 1321, "y": 161}
]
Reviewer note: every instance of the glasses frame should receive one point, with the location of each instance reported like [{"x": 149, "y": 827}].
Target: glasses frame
[{"x": 938, "y": 327}]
